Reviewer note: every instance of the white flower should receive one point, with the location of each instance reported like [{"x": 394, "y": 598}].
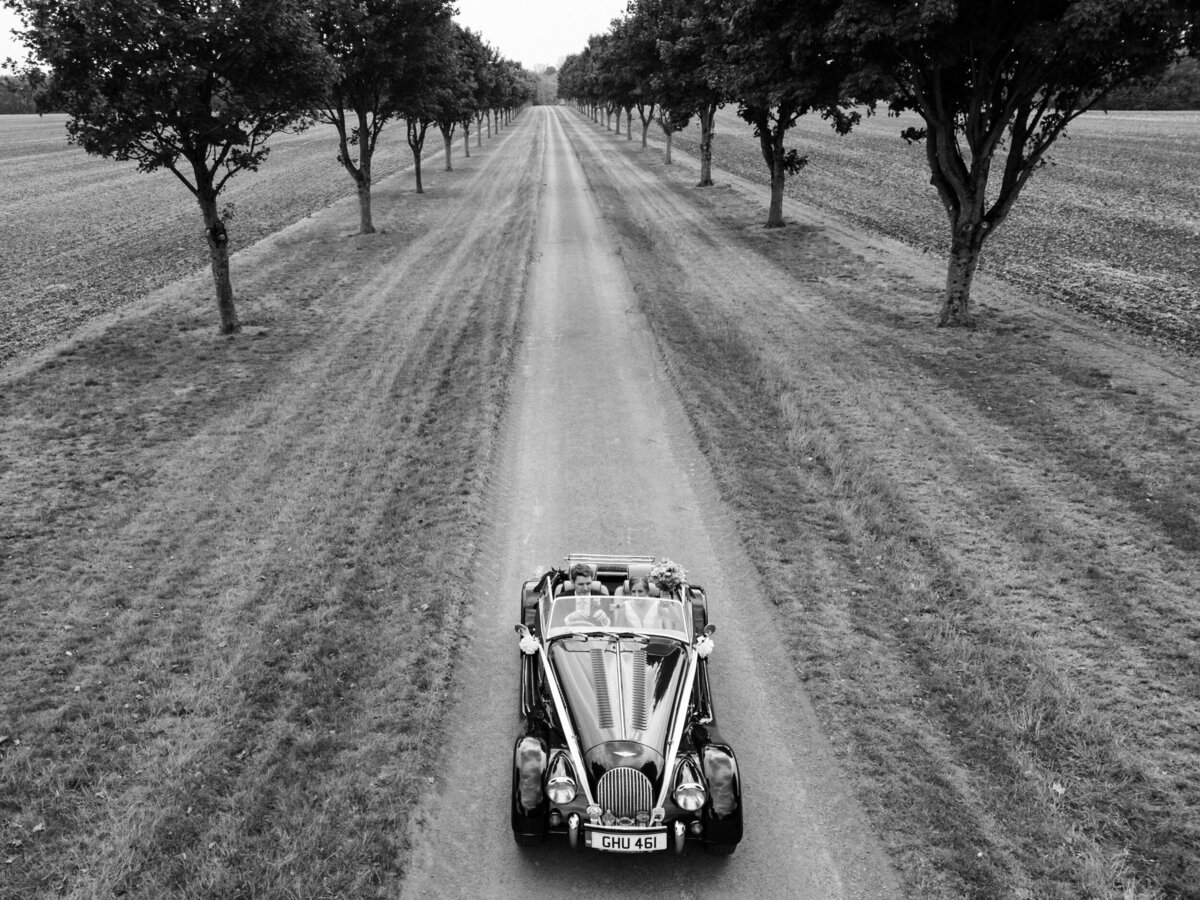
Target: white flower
[
  {"x": 529, "y": 645},
  {"x": 704, "y": 646},
  {"x": 668, "y": 575}
]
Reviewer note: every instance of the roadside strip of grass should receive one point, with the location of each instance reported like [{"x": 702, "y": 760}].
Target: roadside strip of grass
[
  {"x": 227, "y": 579},
  {"x": 982, "y": 546}
]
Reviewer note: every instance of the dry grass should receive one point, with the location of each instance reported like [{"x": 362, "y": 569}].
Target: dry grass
[
  {"x": 228, "y": 627},
  {"x": 989, "y": 541}
]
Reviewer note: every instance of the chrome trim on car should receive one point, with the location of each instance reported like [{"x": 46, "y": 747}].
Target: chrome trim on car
[
  {"x": 623, "y": 793},
  {"x": 564, "y": 718},
  {"x": 682, "y": 713}
]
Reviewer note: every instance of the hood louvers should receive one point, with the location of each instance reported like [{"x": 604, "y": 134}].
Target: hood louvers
[
  {"x": 638, "y": 699},
  {"x": 604, "y": 713}
]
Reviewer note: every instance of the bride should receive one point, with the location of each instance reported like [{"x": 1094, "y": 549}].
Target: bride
[{"x": 641, "y": 610}]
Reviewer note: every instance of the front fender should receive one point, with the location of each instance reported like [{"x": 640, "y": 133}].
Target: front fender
[
  {"x": 723, "y": 809},
  {"x": 530, "y": 805}
]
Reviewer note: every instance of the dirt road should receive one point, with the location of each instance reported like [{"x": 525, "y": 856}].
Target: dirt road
[{"x": 597, "y": 456}]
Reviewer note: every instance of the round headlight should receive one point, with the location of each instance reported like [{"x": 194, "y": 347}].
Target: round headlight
[
  {"x": 561, "y": 789},
  {"x": 560, "y": 786},
  {"x": 689, "y": 796},
  {"x": 689, "y": 793}
]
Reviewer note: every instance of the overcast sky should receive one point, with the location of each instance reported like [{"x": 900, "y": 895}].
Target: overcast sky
[{"x": 532, "y": 32}]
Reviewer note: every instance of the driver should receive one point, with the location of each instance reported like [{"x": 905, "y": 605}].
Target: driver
[{"x": 587, "y": 612}]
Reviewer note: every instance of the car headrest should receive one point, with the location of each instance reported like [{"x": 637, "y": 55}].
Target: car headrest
[{"x": 639, "y": 570}]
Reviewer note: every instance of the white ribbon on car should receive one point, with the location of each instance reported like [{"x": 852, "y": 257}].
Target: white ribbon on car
[
  {"x": 704, "y": 646},
  {"x": 529, "y": 645}
]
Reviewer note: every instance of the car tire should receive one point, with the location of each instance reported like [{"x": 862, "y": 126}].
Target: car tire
[
  {"x": 720, "y": 849},
  {"x": 529, "y": 840}
]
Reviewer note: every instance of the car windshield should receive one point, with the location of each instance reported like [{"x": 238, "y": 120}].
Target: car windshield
[{"x": 594, "y": 612}]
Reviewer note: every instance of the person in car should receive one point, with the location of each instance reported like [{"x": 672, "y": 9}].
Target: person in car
[
  {"x": 583, "y": 581},
  {"x": 588, "y": 610},
  {"x": 640, "y": 610}
]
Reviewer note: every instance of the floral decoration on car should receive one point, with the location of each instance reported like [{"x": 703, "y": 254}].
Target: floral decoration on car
[{"x": 668, "y": 575}]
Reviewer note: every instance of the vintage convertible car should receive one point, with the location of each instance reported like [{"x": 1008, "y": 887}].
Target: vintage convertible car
[{"x": 620, "y": 750}]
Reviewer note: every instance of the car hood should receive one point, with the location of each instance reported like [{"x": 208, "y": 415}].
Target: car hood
[{"x": 622, "y": 694}]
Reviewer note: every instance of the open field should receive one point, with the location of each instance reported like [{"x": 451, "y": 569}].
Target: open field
[
  {"x": 234, "y": 572},
  {"x": 1111, "y": 226},
  {"x": 82, "y": 235}
]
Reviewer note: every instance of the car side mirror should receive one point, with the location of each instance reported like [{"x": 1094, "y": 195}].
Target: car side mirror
[
  {"x": 709, "y": 629},
  {"x": 521, "y": 631}
]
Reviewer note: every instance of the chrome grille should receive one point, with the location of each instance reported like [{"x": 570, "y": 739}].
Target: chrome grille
[{"x": 624, "y": 792}]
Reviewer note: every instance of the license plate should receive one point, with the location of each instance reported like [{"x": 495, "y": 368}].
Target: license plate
[{"x": 626, "y": 841}]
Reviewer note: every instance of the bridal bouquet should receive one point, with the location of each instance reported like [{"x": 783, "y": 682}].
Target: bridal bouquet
[{"x": 669, "y": 576}]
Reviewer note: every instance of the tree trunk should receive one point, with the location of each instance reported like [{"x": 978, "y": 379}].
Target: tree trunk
[
  {"x": 467, "y": 139},
  {"x": 629, "y": 124},
  {"x": 773, "y": 151},
  {"x": 416, "y": 140},
  {"x": 366, "y": 224},
  {"x": 447, "y": 141},
  {"x": 618, "y": 123},
  {"x": 218, "y": 252},
  {"x": 360, "y": 172},
  {"x": 965, "y": 243},
  {"x": 667, "y": 153},
  {"x": 645, "y": 128},
  {"x": 707, "y": 116}
]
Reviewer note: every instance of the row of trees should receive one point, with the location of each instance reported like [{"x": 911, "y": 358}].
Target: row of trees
[
  {"x": 995, "y": 83},
  {"x": 199, "y": 87}
]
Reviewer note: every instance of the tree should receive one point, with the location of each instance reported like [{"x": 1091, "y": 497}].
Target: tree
[
  {"x": 382, "y": 48},
  {"x": 426, "y": 84},
  {"x": 779, "y": 66},
  {"x": 196, "y": 88},
  {"x": 16, "y": 96},
  {"x": 692, "y": 52},
  {"x": 639, "y": 47},
  {"x": 453, "y": 99},
  {"x": 485, "y": 81},
  {"x": 1179, "y": 89},
  {"x": 475, "y": 57},
  {"x": 1000, "y": 81}
]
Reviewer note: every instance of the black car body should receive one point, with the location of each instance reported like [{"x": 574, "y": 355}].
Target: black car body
[{"x": 620, "y": 750}]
